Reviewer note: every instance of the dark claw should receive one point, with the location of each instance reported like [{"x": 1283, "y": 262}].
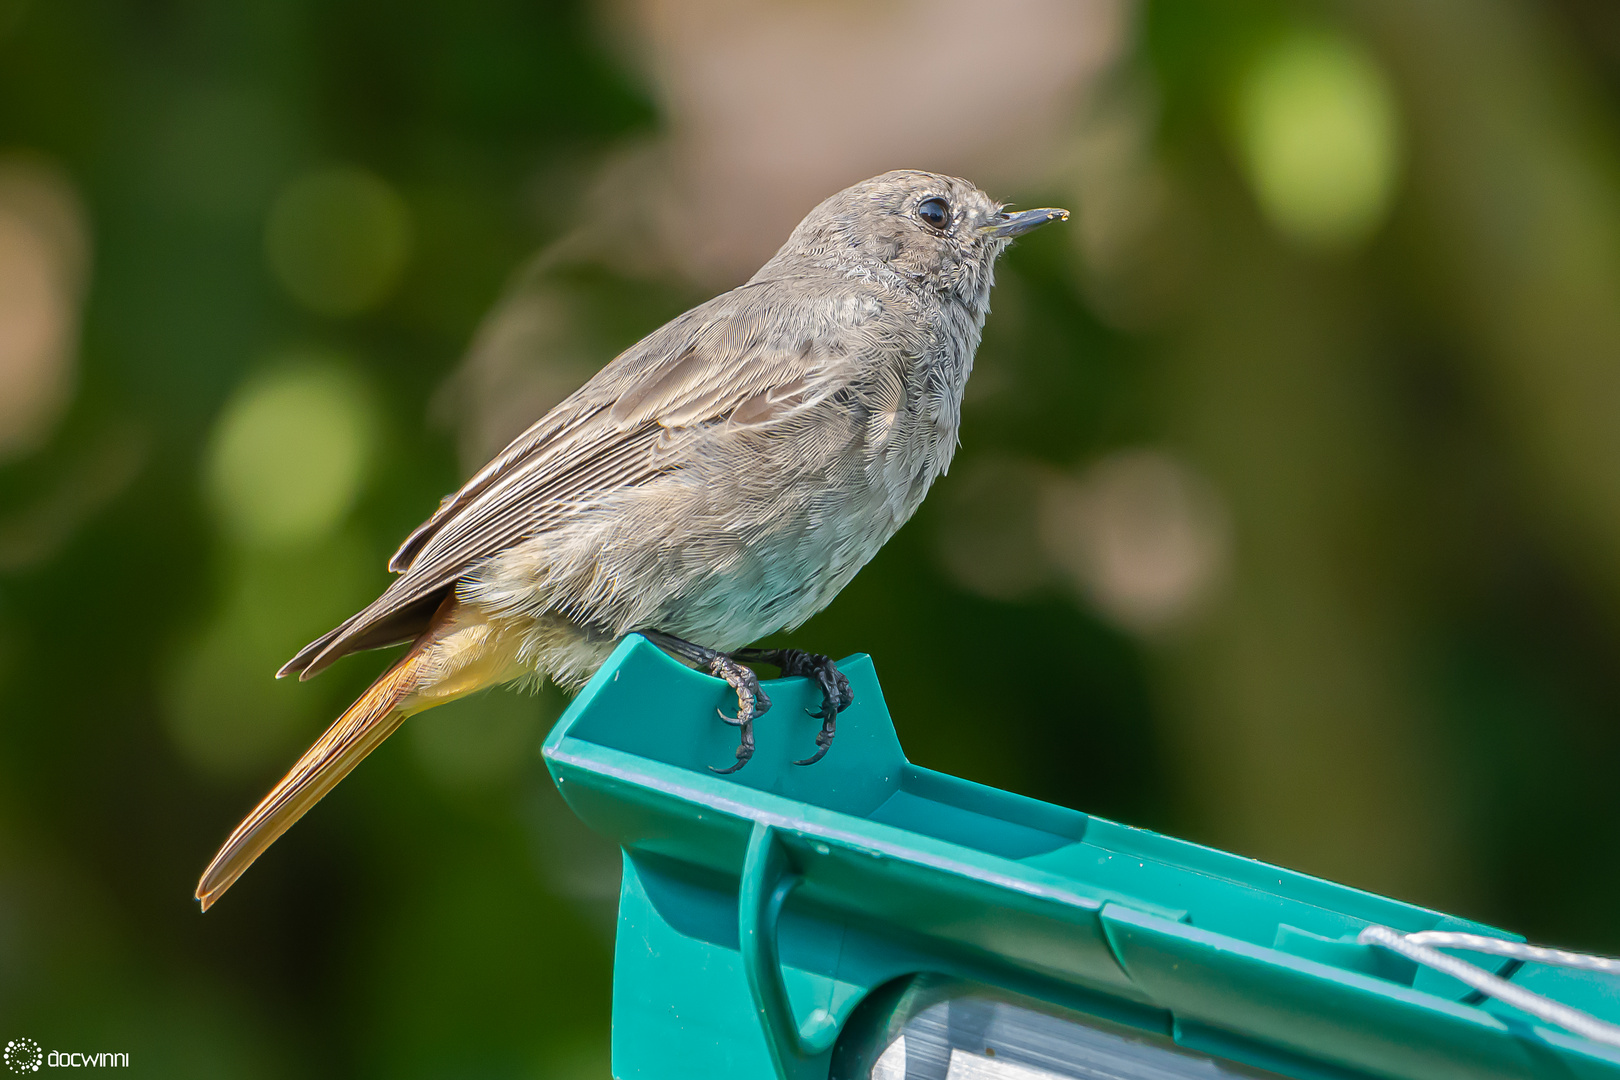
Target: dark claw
[
  {"x": 829, "y": 728},
  {"x": 745, "y": 750},
  {"x": 836, "y": 695},
  {"x": 744, "y": 753},
  {"x": 824, "y": 740},
  {"x": 752, "y": 702}
]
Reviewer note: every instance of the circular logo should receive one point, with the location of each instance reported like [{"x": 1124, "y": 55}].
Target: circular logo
[{"x": 23, "y": 1055}]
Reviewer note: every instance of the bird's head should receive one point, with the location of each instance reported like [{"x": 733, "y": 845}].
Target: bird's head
[{"x": 937, "y": 232}]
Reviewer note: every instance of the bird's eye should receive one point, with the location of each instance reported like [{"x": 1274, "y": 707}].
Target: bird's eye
[{"x": 936, "y": 213}]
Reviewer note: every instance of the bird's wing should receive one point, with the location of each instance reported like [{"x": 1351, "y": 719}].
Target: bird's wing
[{"x": 746, "y": 357}]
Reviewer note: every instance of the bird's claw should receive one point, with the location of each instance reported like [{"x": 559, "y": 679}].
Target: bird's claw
[
  {"x": 836, "y": 695},
  {"x": 752, "y": 703},
  {"x": 744, "y": 753},
  {"x": 824, "y": 739}
]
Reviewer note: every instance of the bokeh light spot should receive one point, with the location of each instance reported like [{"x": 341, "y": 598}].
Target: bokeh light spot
[
  {"x": 1145, "y": 538},
  {"x": 991, "y": 546},
  {"x": 289, "y": 453},
  {"x": 44, "y": 257},
  {"x": 1319, "y": 134},
  {"x": 337, "y": 239}
]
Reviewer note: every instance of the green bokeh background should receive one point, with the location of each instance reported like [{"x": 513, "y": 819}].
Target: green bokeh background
[{"x": 1408, "y": 678}]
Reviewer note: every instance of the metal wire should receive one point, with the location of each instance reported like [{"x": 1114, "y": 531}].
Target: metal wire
[
  {"x": 1422, "y": 948},
  {"x": 1517, "y": 950}
]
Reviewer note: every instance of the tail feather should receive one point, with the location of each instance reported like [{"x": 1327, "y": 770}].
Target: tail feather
[
  {"x": 380, "y": 625},
  {"x": 298, "y": 664},
  {"x": 359, "y": 731}
]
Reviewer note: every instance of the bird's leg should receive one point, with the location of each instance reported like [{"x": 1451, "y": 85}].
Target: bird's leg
[
  {"x": 836, "y": 695},
  {"x": 752, "y": 701}
]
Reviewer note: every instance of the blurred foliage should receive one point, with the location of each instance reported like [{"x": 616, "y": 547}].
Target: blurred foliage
[{"x": 1287, "y": 516}]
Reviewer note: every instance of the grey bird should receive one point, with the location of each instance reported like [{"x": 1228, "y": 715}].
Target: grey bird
[{"x": 718, "y": 481}]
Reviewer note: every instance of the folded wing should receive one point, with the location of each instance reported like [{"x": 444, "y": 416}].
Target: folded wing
[{"x": 724, "y": 360}]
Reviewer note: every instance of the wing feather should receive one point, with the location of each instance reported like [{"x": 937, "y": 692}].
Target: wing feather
[{"x": 697, "y": 370}]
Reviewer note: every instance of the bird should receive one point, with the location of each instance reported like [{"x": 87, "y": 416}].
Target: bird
[{"x": 720, "y": 480}]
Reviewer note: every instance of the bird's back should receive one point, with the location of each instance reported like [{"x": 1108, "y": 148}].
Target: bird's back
[
  {"x": 723, "y": 477},
  {"x": 794, "y": 433}
]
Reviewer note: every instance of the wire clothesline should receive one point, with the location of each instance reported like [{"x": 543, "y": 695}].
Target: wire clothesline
[{"x": 1424, "y": 948}]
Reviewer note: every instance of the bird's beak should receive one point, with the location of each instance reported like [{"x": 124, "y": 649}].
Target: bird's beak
[{"x": 1006, "y": 226}]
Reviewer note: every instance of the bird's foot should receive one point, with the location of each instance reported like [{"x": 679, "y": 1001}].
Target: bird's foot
[
  {"x": 752, "y": 702},
  {"x": 836, "y": 695}
]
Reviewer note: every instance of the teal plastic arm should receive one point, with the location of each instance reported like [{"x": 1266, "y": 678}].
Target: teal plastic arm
[{"x": 762, "y": 910}]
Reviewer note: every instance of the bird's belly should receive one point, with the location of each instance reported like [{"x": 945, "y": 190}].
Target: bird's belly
[
  {"x": 724, "y": 551},
  {"x": 689, "y": 572},
  {"x": 781, "y": 579}
]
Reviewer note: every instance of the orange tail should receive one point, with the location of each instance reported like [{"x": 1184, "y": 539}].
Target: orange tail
[{"x": 359, "y": 731}]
